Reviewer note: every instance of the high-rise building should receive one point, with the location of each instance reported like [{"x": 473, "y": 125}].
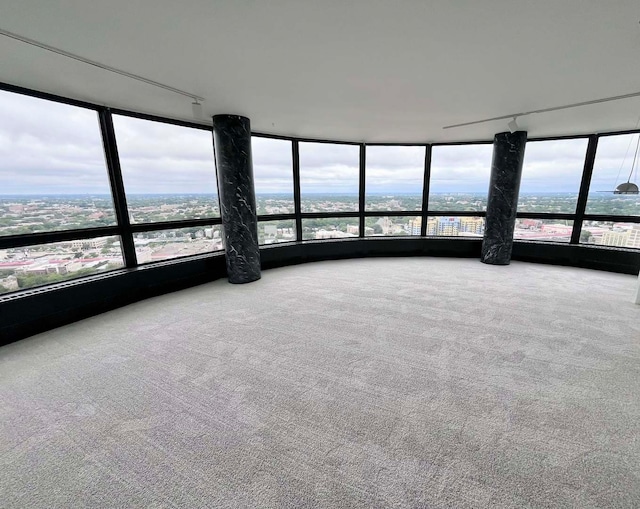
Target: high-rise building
[
  {"x": 415, "y": 225},
  {"x": 627, "y": 238},
  {"x": 473, "y": 225},
  {"x": 449, "y": 226}
]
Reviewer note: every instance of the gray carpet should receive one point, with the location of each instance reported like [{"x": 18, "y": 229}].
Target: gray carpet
[{"x": 386, "y": 383}]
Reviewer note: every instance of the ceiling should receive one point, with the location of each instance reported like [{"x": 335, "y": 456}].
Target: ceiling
[{"x": 356, "y": 70}]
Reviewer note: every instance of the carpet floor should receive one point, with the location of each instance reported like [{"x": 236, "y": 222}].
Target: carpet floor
[{"x": 377, "y": 383}]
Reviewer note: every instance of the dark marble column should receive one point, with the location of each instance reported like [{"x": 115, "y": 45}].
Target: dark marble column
[
  {"x": 232, "y": 146},
  {"x": 506, "y": 171}
]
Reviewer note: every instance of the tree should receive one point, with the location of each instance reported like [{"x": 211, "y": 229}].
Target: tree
[
  {"x": 585, "y": 235},
  {"x": 377, "y": 229}
]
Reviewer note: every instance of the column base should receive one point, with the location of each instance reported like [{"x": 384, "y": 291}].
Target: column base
[
  {"x": 495, "y": 262},
  {"x": 243, "y": 280}
]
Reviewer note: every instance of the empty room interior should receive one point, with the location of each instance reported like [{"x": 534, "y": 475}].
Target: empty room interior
[{"x": 319, "y": 254}]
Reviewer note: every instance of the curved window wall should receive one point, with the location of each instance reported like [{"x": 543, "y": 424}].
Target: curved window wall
[
  {"x": 86, "y": 191},
  {"x": 168, "y": 171},
  {"x": 549, "y": 190},
  {"x": 459, "y": 177},
  {"x": 273, "y": 175},
  {"x": 329, "y": 177},
  {"x": 394, "y": 178},
  {"x": 53, "y": 174},
  {"x": 613, "y": 219}
]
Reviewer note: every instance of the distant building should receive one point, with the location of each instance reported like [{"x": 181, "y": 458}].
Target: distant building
[
  {"x": 386, "y": 224},
  {"x": 10, "y": 283},
  {"x": 415, "y": 225},
  {"x": 143, "y": 254},
  {"x": 98, "y": 243},
  {"x": 628, "y": 238},
  {"x": 270, "y": 230},
  {"x": 448, "y": 226},
  {"x": 531, "y": 224},
  {"x": 333, "y": 234},
  {"x": 472, "y": 225}
]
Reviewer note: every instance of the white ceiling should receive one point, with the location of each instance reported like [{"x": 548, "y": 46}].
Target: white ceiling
[{"x": 357, "y": 70}]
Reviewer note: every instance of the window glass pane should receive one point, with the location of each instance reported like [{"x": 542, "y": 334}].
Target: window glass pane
[
  {"x": 394, "y": 178},
  {"x": 168, "y": 170},
  {"x": 612, "y": 167},
  {"x": 603, "y": 233},
  {"x": 53, "y": 174},
  {"x": 551, "y": 176},
  {"x": 27, "y": 267},
  {"x": 455, "y": 226},
  {"x": 460, "y": 177},
  {"x": 392, "y": 226},
  {"x": 329, "y": 177},
  {"x": 276, "y": 232},
  {"x": 333, "y": 228},
  {"x": 273, "y": 175},
  {"x": 167, "y": 244},
  {"x": 543, "y": 230}
]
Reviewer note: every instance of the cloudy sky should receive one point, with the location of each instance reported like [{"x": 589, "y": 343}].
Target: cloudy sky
[{"x": 47, "y": 147}]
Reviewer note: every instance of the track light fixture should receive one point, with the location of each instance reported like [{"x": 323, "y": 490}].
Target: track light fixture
[
  {"x": 513, "y": 125},
  {"x": 196, "y": 108}
]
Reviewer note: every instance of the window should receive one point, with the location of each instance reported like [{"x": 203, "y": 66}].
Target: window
[
  {"x": 447, "y": 226},
  {"x": 53, "y": 174},
  {"x": 394, "y": 178},
  {"x": 273, "y": 175},
  {"x": 392, "y": 226},
  {"x": 555, "y": 230},
  {"x": 551, "y": 176},
  {"x": 332, "y": 228},
  {"x": 607, "y": 233},
  {"x": 329, "y": 177},
  {"x": 160, "y": 245},
  {"x": 168, "y": 170},
  {"x": 276, "y": 232},
  {"x": 612, "y": 167},
  {"x": 30, "y": 266},
  {"x": 460, "y": 177}
]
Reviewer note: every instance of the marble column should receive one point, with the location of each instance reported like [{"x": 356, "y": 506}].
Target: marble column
[
  {"x": 232, "y": 146},
  {"x": 506, "y": 171}
]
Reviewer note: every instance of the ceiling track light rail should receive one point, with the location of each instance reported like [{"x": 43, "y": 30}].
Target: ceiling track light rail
[
  {"x": 545, "y": 110},
  {"x": 197, "y": 99}
]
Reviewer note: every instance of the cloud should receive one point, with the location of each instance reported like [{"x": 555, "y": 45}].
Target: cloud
[
  {"x": 461, "y": 168},
  {"x": 395, "y": 169},
  {"x": 48, "y": 147},
  {"x": 164, "y": 158},
  {"x": 329, "y": 167},
  {"x": 553, "y": 166},
  {"x": 613, "y": 162},
  {"x": 272, "y": 165}
]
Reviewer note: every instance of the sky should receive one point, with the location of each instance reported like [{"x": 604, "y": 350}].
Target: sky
[{"x": 51, "y": 148}]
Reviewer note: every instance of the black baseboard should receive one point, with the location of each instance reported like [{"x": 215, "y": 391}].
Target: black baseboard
[
  {"x": 33, "y": 311},
  {"x": 30, "y": 312}
]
